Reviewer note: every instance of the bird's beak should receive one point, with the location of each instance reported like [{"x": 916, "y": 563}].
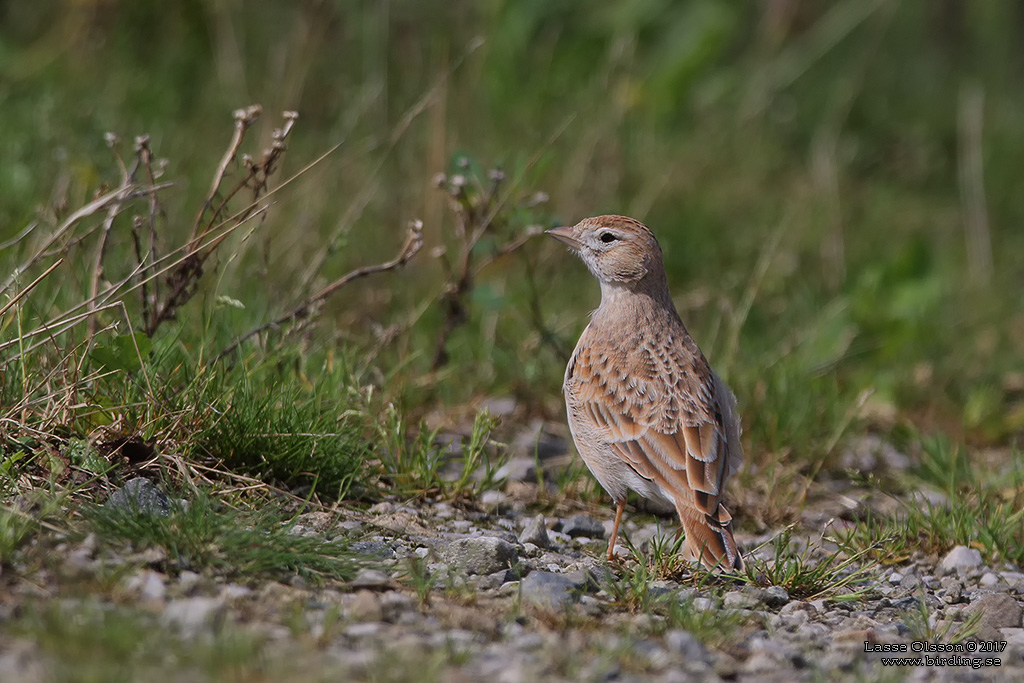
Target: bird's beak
[{"x": 564, "y": 235}]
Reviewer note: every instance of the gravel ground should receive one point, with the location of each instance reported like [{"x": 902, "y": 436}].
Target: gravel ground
[{"x": 506, "y": 594}]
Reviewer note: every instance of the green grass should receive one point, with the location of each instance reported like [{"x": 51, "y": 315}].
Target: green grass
[
  {"x": 813, "y": 573},
  {"x": 923, "y": 626},
  {"x": 981, "y": 509},
  {"x": 304, "y": 430},
  {"x": 212, "y": 538},
  {"x": 632, "y": 590},
  {"x": 978, "y": 520}
]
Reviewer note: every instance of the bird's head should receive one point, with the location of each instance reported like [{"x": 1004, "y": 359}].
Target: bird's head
[{"x": 617, "y": 250}]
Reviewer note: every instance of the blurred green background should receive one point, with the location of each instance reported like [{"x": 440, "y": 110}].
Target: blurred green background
[{"x": 833, "y": 182}]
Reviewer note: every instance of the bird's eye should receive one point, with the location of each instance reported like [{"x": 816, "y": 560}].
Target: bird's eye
[{"x": 607, "y": 237}]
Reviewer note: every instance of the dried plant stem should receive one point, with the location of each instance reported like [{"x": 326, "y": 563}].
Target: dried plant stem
[
  {"x": 244, "y": 118},
  {"x": 183, "y": 281},
  {"x": 127, "y": 181},
  {"x": 826, "y": 177},
  {"x": 74, "y": 316},
  {"x": 476, "y": 209},
  {"x": 972, "y": 184},
  {"x": 18, "y": 297},
  {"x": 120, "y": 195},
  {"x": 148, "y": 259}
]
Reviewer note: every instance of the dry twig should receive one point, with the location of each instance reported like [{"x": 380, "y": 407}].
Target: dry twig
[
  {"x": 411, "y": 247},
  {"x": 183, "y": 282},
  {"x": 477, "y": 212}
]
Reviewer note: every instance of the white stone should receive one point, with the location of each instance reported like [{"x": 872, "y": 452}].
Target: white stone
[{"x": 960, "y": 557}]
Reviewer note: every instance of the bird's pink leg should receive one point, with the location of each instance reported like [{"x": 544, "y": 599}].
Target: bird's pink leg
[{"x": 619, "y": 507}]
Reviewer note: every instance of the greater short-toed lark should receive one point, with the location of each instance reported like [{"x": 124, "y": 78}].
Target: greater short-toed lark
[{"x": 645, "y": 409}]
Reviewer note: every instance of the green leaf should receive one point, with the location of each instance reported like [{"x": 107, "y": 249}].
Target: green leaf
[
  {"x": 80, "y": 452},
  {"x": 121, "y": 354}
]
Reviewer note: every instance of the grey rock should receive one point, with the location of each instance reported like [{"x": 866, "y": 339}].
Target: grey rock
[
  {"x": 868, "y": 452},
  {"x": 1013, "y": 578},
  {"x": 924, "y": 498},
  {"x": 81, "y": 559},
  {"x": 375, "y": 549},
  {"x": 20, "y": 661},
  {"x": 747, "y": 598},
  {"x": 493, "y": 499},
  {"x": 191, "y": 614},
  {"x": 536, "y": 532},
  {"x": 234, "y": 591},
  {"x": 660, "y": 589},
  {"x": 382, "y": 508},
  {"x": 365, "y": 629},
  {"x": 317, "y": 521},
  {"x": 1013, "y": 636},
  {"x": 960, "y": 558},
  {"x": 148, "y": 585},
  {"x": 775, "y": 597},
  {"x": 908, "y": 603},
  {"x": 656, "y": 657},
  {"x": 500, "y": 406},
  {"x": 188, "y": 580},
  {"x": 581, "y": 525},
  {"x": 365, "y": 606},
  {"x": 141, "y": 496},
  {"x": 372, "y": 579},
  {"x": 496, "y": 580},
  {"x": 910, "y": 582},
  {"x": 558, "y": 538},
  {"x": 953, "y": 594},
  {"x": 550, "y": 590},
  {"x": 988, "y": 580},
  {"x": 751, "y": 597},
  {"x": 482, "y": 555},
  {"x": 518, "y": 469},
  {"x": 685, "y": 644},
  {"x": 589, "y": 579},
  {"x": 530, "y": 550},
  {"x": 997, "y": 610},
  {"x": 395, "y": 605},
  {"x": 799, "y": 606}
]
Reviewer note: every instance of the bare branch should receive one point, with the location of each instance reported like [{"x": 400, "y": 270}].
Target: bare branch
[
  {"x": 244, "y": 118},
  {"x": 411, "y": 247}
]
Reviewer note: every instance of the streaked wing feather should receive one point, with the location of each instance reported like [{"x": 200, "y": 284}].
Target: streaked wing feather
[{"x": 670, "y": 432}]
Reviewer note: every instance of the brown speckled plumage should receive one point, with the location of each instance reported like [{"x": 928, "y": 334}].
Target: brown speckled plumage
[{"x": 645, "y": 409}]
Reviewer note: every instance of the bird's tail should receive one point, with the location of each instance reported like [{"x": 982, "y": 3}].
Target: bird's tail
[{"x": 709, "y": 538}]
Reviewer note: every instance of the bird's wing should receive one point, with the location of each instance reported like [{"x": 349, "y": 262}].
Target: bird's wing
[{"x": 662, "y": 412}]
